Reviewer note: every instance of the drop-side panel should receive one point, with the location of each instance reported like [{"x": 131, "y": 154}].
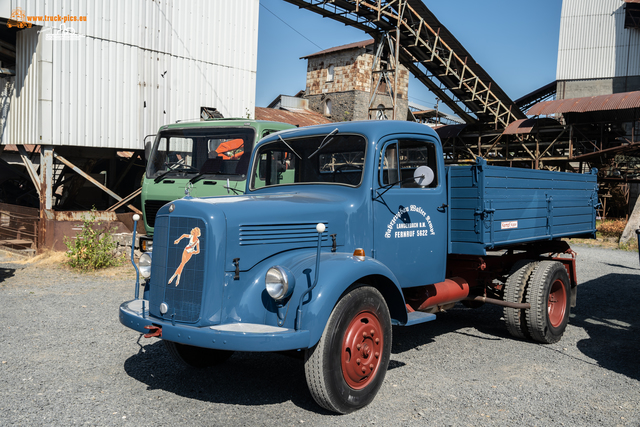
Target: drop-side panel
[{"x": 493, "y": 206}]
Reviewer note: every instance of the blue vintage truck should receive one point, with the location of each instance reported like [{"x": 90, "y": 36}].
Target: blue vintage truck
[{"x": 347, "y": 229}]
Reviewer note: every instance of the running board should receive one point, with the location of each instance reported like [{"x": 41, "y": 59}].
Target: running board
[{"x": 414, "y": 318}]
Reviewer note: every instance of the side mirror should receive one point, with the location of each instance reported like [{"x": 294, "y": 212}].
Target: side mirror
[{"x": 423, "y": 176}]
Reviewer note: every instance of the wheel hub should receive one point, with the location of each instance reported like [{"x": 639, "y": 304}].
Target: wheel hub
[
  {"x": 557, "y": 303},
  {"x": 361, "y": 349}
]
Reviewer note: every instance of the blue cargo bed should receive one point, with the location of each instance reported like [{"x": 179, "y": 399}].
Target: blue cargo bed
[{"x": 493, "y": 207}]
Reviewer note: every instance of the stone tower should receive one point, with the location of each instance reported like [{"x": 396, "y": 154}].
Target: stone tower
[{"x": 340, "y": 83}]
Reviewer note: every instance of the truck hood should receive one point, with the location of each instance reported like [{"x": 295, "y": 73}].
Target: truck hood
[{"x": 260, "y": 226}]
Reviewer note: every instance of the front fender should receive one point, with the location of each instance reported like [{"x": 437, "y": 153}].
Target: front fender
[{"x": 338, "y": 272}]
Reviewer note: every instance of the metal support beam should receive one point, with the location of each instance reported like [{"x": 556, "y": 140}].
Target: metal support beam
[
  {"x": 46, "y": 177},
  {"x": 31, "y": 169},
  {"x": 125, "y": 200},
  {"x": 422, "y": 39},
  {"x": 94, "y": 182}
]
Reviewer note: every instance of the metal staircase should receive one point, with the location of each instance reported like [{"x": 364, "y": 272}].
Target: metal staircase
[{"x": 430, "y": 52}]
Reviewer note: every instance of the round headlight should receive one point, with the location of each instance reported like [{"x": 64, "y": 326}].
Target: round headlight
[
  {"x": 144, "y": 264},
  {"x": 279, "y": 283}
]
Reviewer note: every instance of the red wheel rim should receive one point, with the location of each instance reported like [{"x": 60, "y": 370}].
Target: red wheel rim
[
  {"x": 362, "y": 350},
  {"x": 557, "y": 305}
]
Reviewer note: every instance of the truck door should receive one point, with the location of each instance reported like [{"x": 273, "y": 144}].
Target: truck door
[{"x": 410, "y": 218}]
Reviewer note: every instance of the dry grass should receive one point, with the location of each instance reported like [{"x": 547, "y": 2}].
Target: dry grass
[
  {"x": 612, "y": 228},
  {"x": 56, "y": 259},
  {"x": 47, "y": 258}
]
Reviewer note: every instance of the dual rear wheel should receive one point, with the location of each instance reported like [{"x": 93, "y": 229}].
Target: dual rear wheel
[{"x": 545, "y": 286}]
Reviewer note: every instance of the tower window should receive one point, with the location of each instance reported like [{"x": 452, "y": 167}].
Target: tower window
[
  {"x": 330, "y": 72},
  {"x": 381, "y": 113},
  {"x": 327, "y": 107}
]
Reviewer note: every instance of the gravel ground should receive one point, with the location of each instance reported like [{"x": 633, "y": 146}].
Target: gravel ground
[{"x": 66, "y": 360}]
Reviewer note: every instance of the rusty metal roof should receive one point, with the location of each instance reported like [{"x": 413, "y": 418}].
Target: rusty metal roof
[
  {"x": 528, "y": 125},
  {"x": 520, "y": 126},
  {"x": 617, "y": 101},
  {"x": 28, "y": 147},
  {"x": 297, "y": 118},
  {"x": 355, "y": 45},
  {"x": 449, "y": 131},
  {"x": 632, "y": 1}
]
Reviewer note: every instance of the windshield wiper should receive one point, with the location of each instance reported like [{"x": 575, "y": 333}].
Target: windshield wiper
[
  {"x": 199, "y": 177},
  {"x": 323, "y": 144},
  {"x": 196, "y": 178},
  {"x": 176, "y": 167},
  {"x": 393, "y": 184},
  {"x": 229, "y": 187},
  {"x": 161, "y": 176},
  {"x": 285, "y": 143}
]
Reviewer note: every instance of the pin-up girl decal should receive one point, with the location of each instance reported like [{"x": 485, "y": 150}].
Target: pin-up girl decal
[{"x": 192, "y": 248}]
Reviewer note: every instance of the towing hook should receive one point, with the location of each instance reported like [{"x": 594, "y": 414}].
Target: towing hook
[{"x": 154, "y": 331}]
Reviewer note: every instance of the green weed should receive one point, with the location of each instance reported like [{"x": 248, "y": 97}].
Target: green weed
[{"x": 93, "y": 248}]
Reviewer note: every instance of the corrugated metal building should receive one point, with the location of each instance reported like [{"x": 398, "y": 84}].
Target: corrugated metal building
[
  {"x": 599, "y": 49},
  {"x": 129, "y": 68},
  {"x": 84, "y": 80}
]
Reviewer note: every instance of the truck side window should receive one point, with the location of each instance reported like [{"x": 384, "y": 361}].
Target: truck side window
[
  {"x": 414, "y": 153},
  {"x": 389, "y": 165},
  {"x": 401, "y": 159},
  {"x": 157, "y": 162}
]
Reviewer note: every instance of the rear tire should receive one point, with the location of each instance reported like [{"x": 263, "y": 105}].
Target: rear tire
[
  {"x": 549, "y": 295},
  {"x": 346, "y": 368},
  {"x": 196, "y": 357},
  {"x": 515, "y": 290}
]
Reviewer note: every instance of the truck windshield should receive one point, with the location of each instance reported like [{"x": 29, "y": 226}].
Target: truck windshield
[
  {"x": 298, "y": 161},
  {"x": 219, "y": 153}
]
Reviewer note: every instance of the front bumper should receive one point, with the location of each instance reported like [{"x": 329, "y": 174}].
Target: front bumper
[{"x": 231, "y": 336}]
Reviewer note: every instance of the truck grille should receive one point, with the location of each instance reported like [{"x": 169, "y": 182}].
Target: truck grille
[
  {"x": 183, "y": 295},
  {"x": 151, "y": 208},
  {"x": 270, "y": 234}
]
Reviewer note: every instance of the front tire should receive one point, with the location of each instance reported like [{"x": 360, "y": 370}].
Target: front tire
[
  {"x": 549, "y": 296},
  {"x": 196, "y": 357},
  {"x": 346, "y": 368}
]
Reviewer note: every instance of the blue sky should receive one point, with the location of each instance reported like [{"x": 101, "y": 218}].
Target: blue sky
[{"x": 516, "y": 42}]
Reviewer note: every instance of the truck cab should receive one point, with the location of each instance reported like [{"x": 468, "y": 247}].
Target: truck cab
[
  {"x": 211, "y": 157},
  {"x": 346, "y": 229}
]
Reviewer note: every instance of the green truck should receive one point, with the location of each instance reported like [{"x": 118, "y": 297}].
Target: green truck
[{"x": 201, "y": 158}]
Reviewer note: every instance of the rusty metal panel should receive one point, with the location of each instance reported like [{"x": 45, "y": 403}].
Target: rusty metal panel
[
  {"x": 520, "y": 127},
  {"x": 580, "y": 105},
  {"x": 18, "y": 226},
  {"x": 82, "y": 215}
]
